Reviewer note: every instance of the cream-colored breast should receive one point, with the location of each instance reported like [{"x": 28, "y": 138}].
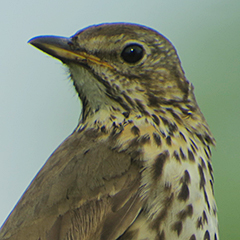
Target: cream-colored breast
[{"x": 177, "y": 181}]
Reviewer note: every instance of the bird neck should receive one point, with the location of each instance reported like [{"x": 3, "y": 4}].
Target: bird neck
[
  {"x": 105, "y": 110},
  {"x": 166, "y": 120}
]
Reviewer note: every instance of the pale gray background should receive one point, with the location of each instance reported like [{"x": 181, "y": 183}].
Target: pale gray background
[{"x": 39, "y": 107}]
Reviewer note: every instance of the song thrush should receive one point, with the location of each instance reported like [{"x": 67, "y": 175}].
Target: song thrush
[{"x": 138, "y": 164}]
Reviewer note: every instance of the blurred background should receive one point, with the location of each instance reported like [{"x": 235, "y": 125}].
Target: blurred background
[{"x": 39, "y": 107}]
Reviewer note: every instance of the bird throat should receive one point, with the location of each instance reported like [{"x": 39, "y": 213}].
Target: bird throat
[{"x": 90, "y": 91}]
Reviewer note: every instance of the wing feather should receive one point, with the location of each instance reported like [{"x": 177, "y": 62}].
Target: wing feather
[{"x": 86, "y": 190}]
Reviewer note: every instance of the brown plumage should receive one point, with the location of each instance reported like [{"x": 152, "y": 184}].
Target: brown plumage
[{"x": 138, "y": 164}]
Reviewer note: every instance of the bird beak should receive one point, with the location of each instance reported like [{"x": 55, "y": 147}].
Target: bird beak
[{"x": 63, "y": 49}]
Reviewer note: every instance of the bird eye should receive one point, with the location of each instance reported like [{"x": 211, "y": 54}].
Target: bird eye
[{"x": 132, "y": 53}]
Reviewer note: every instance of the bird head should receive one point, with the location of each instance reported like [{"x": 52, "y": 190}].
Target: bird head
[{"x": 120, "y": 67}]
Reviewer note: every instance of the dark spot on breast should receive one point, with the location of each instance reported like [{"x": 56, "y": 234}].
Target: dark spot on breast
[
  {"x": 203, "y": 163},
  {"x": 193, "y": 237},
  {"x": 113, "y": 132},
  {"x": 210, "y": 169},
  {"x": 162, "y": 133},
  {"x": 128, "y": 99},
  {"x": 168, "y": 140},
  {"x": 215, "y": 237},
  {"x": 152, "y": 100},
  {"x": 200, "y": 137},
  {"x": 183, "y": 137},
  {"x": 183, "y": 110},
  {"x": 177, "y": 226},
  {"x": 155, "y": 119},
  {"x": 144, "y": 139},
  {"x": 206, "y": 153},
  {"x": 206, "y": 199},
  {"x": 202, "y": 178},
  {"x": 185, "y": 178},
  {"x": 206, "y": 235},
  {"x": 172, "y": 128},
  {"x": 158, "y": 164},
  {"x": 164, "y": 120},
  {"x": 115, "y": 109},
  {"x": 135, "y": 130},
  {"x": 209, "y": 139},
  {"x": 182, "y": 154},
  {"x": 191, "y": 155},
  {"x": 103, "y": 129},
  {"x": 157, "y": 139},
  {"x": 137, "y": 88},
  {"x": 193, "y": 148},
  {"x": 209, "y": 150},
  {"x": 161, "y": 111},
  {"x": 187, "y": 212},
  {"x": 141, "y": 107},
  {"x": 191, "y": 108},
  {"x": 194, "y": 144},
  {"x": 204, "y": 217},
  {"x": 211, "y": 183},
  {"x": 184, "y": 193},
  {"x": 116, "y": 130},
  {"x": 175, "y": 154},
  {"x": 214, "y": 210},
  {"x": 176, "y": 117},
  {"x": 126, "y": 114},
  {"x": 117, "y": 99},
  {"x": 199, "y": 223},
  {"x": 112, "y": 117}
]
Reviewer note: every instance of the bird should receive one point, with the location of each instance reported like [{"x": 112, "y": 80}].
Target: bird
[{"x": 138, "y": 165}]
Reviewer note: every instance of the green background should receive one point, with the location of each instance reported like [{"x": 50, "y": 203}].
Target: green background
[{"x": 39, "y": 108}]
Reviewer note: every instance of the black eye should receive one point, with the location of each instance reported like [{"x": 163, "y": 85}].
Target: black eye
[{"x": 132, "y": 53}]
